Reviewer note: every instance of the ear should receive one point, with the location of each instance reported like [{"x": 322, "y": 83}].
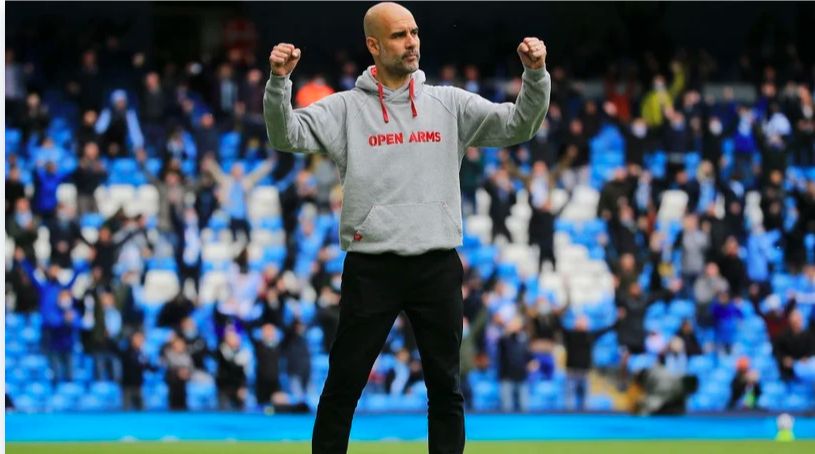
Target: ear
[{"x": 373, "y": 45}]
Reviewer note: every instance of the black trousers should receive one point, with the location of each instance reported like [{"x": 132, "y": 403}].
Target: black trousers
[{"x": 375, "y": 288}]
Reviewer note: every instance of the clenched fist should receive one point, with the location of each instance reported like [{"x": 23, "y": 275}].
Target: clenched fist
[
  {"x": 532, "y": 52},
  {"x": 284, "y": 58}
]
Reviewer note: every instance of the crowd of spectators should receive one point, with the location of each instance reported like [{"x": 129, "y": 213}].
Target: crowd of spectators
[{"x": 255, "y": 342}]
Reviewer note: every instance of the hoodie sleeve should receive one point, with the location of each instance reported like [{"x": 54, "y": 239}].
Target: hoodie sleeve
[
  {"x": 317, "y": 128},
  {"x": 483, "y": 123}
]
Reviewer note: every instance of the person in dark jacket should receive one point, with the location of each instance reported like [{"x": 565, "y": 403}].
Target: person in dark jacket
[
  {"x": 579, "y": 342},
  {"x": 267, "y": 364},
  {"x": 689, "y": 339},
  {"x": 231, "y": 378},
  {"x": 794, "y": 344},
  {"x": 298, "y": 359},
  {"x": 745, "y": 388},
  {"x": 64, "y": 234},
  {"x": 515, "y": 357},
  {"x": 502, "y": 197},
  {"x": 196, "y": 345},
  {"x": 631, "y": 323},
  {"x": 134, "y": 363},
  {"x": 90, "y": 173},
  {"x": 179, "y": 367}
]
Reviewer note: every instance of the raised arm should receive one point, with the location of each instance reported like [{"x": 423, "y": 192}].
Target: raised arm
[
  {"x": 483, "y": 123},
  {"x": 317, "y": 128}
]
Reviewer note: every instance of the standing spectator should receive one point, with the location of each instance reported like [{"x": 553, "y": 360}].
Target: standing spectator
[
  {"x": 472, "y": 168},
  {"x": 745, "y": 388},
  {"x": 515, "y": 358},
  {"x": 725, "y": 314},
  {"x": 542, "y": 221},
  {"x": 87, "y": 130},
  {"x": 231, "y": 379},
  {"x": 89, "y": 175},
  {"x": 47, "y": 179},
  {"x": 705, "y": 289},
  {"x": 63, "y": 236},
  {"x": 119, "y": 127},
  {"x": 732, "y": 267},
  {"x": 689, "y": 340},
  {"x": 234, "y": 190},
  {"x": 224, "y": 94},
  {"x": 35, "y": 118},
  {"x": 196, "y": 345},
  {"x": 179, "y": 365},
  {"x": 134, "y": 363},
  {"x": 502, "y": 197},
  {"x": 298, "y": 359},
  {"x": 22, "y": 228},
  {"x": 106, "y": 330},
  {"x": 794, "y": 344},
  {"x": 153, "y": 109},
  {"x": 59, "y": 318},
  {"x": 15, "y": 189},
  {"x": 693, "y": 242},
  {"x": 579, "y": 342},
  {"x": 267, "y": 364},
  {"x": 631, "y": 309}
]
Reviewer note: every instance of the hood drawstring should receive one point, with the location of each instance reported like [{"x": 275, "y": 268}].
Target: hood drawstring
[
  {"x": 381, "y": 91},
  {"x": 412, "y": 104}
]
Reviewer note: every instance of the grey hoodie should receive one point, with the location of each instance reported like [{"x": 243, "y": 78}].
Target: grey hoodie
[{"x": 399, "y": 151}]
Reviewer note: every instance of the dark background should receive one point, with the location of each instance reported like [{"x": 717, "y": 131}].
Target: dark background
[{"x": 584, "y": 37}]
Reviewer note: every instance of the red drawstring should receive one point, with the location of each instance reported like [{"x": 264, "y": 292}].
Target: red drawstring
[
  {"x": 382, "y": 103},
  {"x": 412, "y": 104},
  {"x": 382, "y": 97}
]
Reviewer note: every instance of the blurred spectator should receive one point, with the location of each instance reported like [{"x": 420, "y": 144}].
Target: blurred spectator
[
  {"x": 15, "y": 85},
  {"x": 179, "y": 367},
  {"x": 579, "y": 342},
  {"x": 514, "y": 365},
  {"x": 313, "y": 91},
  {"x": 134, "y": 363},
  {"x": 59, "y": 318},
  {"x": 726, "y": 315},
  {"x": 88, "y": 176},
  {"x": 267, "y": 364},
  {"x": 47, "y": 179},
  {"x": 233, "y": 192},
  {"x": 693, "y": 242},
  {"x": 542, "y": 221},
  {"x": 175, "y": 311},
  {"x": 196, "y": 345},
  {"x": 231, "y": 379},
  {"x": 15, "y": 189},
  {"x": 794, "y": 344},
  {"x": 224, "y": 94},
  {"x": 502, "y": 197},
  {"x": 35, "y": 118},
  {"x": 690, "y": 342},
  {"x": 705, "y": 289},
  {"x": 153, "y": 109},
  {"x": 732, "y": 268},
  {"x": 119, "y": 127},
  {"x": 745, "y": 388},
  {"x": 472, "y": 167},
  {"x": 298, "y": 359},
  {"x": 22, "y": 228}
]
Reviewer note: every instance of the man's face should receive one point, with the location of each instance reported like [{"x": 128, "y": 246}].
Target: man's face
[{"x": 396, "y": 44}]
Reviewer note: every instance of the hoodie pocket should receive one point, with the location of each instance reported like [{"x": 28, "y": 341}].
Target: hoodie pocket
[{"x": 408, "y": 227}]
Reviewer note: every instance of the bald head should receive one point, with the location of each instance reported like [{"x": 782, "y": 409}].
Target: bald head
[
  {"x": 380, "y": 14},
  {"x": 392, "y": 38}
]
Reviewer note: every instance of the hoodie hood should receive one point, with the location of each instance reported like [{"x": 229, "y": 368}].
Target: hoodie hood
[{"x": 368, "y": 83}]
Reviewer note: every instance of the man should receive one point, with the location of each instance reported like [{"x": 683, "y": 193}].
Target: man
[{"x": 398, "y": 145}]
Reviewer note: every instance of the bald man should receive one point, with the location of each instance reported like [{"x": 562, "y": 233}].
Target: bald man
[{"x": 398, "y": 144}]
